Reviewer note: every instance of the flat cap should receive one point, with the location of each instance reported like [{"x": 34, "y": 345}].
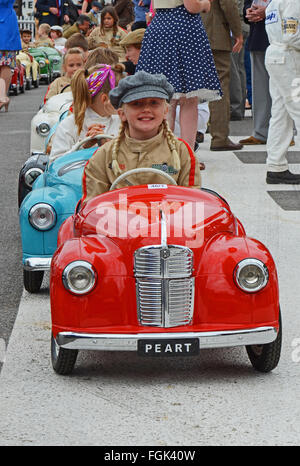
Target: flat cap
[
  {"x": 134, "y": 37},
  {"x": 141, "y": 85},
  {"x": 57, "y": 28}
]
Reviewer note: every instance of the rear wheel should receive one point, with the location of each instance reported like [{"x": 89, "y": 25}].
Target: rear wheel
[
  {"x": 32, "y": 280},
  {"x": 264, "y": 358},
  {"x": 63, "y": 360}
]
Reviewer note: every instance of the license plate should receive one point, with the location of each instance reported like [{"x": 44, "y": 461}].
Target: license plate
[{"x": 172, "y": 347}]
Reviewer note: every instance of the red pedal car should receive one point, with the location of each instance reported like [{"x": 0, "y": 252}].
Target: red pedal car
[
  {"x": 164, "y": 271},
  {"x": 17, "y": 84}
]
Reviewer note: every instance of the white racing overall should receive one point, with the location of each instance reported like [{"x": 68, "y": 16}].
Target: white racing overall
[{"x": 283, "y": 65}]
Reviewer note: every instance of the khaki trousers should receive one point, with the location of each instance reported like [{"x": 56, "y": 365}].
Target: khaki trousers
[{"x": 220, "y": 109}]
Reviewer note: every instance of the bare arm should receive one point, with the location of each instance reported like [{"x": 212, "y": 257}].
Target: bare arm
[{"x": 197, "y": 6}]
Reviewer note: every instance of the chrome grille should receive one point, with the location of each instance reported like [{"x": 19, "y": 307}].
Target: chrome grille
[{"x": 164, "y": 286}]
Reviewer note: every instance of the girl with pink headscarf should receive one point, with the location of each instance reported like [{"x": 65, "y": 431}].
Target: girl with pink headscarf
[{"x": 92, "y": 112}]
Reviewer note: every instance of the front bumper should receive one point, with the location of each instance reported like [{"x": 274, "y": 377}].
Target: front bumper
[
  {"x": 129, "y": 342},
  {"x": 37, "y": 263}
]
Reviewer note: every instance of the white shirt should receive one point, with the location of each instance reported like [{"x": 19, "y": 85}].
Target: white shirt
[
  {"x": 283, "y": 23},
  {"x": 66, "y": 134}
]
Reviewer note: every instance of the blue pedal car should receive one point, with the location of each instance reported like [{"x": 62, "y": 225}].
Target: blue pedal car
[{"x": 53, "y": 198}]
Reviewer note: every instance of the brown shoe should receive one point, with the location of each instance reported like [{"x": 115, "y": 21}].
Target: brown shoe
[
  {"x": 230, "y": 146},
  {"x": 251, "y": 141},
  {"x": 292, "y": 142}
]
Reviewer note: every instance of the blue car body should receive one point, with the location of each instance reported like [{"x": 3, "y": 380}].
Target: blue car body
[{"x": 60, "y": 187}]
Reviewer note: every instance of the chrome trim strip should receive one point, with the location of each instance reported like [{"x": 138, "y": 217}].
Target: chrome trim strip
[
  {"x": 129, "y": 342},
  {"x": 37, "y": 263}
]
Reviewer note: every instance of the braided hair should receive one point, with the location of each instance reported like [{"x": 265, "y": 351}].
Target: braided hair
[{"x": 171, "y": 140}]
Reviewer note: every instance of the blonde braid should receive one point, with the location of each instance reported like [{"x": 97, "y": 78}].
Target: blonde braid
[
  {"x": 116, "y": 146},
  {"x": 172, "y": 145}
]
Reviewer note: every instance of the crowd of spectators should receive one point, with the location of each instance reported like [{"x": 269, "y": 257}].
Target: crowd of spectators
[{"x": 238, "y": 40}]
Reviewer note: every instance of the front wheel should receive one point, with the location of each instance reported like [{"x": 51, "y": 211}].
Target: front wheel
[
  {"x": 264, "y": 358},
  {"x": 63, "y": 360},
  {"x": 33, "y": 280}
]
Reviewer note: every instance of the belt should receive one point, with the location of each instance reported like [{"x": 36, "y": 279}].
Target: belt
[{"x": 282, "y": 46}]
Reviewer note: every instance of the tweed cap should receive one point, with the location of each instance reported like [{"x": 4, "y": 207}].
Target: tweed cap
[
  {"x": 57, "y": 28},
  {"x": 141, "y": 85},
  {"x": 134, "y": 37}
]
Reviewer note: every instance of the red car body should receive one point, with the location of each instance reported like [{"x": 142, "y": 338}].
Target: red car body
[
  {"x": 124, "y": 234},
  {"x": 18, "y": 79}
]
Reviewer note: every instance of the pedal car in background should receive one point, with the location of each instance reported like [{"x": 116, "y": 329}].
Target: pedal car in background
[
  {"x": 53, "y": 198},
  {"x": 17, "y": 84},
  {"x": 162, "y": 271},
  {"x": 55, "y": 59},
  {"x": 46, "y": 117},
  {"x": 45, "y": 66}
]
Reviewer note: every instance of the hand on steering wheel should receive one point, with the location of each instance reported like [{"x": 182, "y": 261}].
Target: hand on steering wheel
[
  {"x": 141, "y": 170},
  {"x": 97, "y": 138}
]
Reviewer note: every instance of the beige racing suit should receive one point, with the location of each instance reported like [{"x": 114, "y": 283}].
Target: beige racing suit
[{"x": 154, "y": 153}]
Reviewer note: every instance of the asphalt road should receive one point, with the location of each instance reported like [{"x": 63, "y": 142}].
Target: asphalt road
[
  {"x": 119, "y": 399},
  {"x": 14, "y": 150}
]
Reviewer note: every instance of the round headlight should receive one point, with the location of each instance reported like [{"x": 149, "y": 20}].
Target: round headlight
[
  {"x": 42, "y": 217},
  {"x": 31, "y": 175},
  {"x": 251, "y": 275},
  {"x": 79, "y": 277},
  {"x": 43, "y": 129},
  {"x": 56, "y": 61},
  {"x": 42, "y": 63}
]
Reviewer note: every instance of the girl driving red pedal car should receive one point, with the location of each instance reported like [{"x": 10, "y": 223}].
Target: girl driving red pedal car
[{"x": 144, "y": 140}]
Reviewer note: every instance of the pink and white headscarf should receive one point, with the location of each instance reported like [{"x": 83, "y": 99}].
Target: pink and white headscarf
[{"x": 96, "y": 80}]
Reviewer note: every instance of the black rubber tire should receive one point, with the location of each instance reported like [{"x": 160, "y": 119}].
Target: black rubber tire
[
  {"x": 264, "y": 358},
  {"x": 32, "y": 280},
  {"x": 63, "y": 360}
]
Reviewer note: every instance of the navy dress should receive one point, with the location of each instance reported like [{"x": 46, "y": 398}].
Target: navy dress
[{"x": 176, "y": 45}]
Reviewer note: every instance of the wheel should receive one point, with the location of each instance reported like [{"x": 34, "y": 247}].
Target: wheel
[
  {"x": 264, "y": 358},
  {"x": 32, "y": 280},
  {"x": 63, "y": 360}
]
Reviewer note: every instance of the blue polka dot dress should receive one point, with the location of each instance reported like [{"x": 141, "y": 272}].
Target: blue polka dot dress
[{"x": 176, "y": 45}]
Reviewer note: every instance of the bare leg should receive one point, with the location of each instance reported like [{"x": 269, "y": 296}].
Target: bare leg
[
  {"x": 189, "y": 119},
  {"x": 5, "y": 78},
  {"x": 172, "y": 114},
  {"x": 5, "y": 73}
]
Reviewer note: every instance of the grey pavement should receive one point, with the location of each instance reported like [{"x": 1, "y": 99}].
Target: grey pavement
[{"x": 118, "y": 399}]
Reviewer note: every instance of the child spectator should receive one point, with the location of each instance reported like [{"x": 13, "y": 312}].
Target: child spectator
[
  {"x": 72, "y": 61},
  {"x": 144, "y": 139},
  {"x": 56, "y": 35},
  {"x": 92, "y": 111},
  {"x": 43, "y": 39},
  {"x": 27, "y": 60},
  {"x": 108, "y": 34},
  {"x": 78, "y": 40}
]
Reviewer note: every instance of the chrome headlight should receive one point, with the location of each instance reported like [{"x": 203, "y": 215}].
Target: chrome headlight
[
  {"x": 31, "y": 175},
  {"x": 42, "y": 216},
  {"x": 251, "y": 275},
  {"x": 43, "y": 129},
  {"x": 79, "y": 277},
  {"x": 56, "y": 61},
  {"x": 42, "y": 63}
]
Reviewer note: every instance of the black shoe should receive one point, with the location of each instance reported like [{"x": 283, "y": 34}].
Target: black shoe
[
  {"x": 27, "y": 87},
  {"x": 285, "y": 177},
  {"x": 199, "y": 137}
]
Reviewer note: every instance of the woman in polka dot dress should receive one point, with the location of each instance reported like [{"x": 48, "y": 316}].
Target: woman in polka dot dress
[{"x": 176, "y": 45}]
